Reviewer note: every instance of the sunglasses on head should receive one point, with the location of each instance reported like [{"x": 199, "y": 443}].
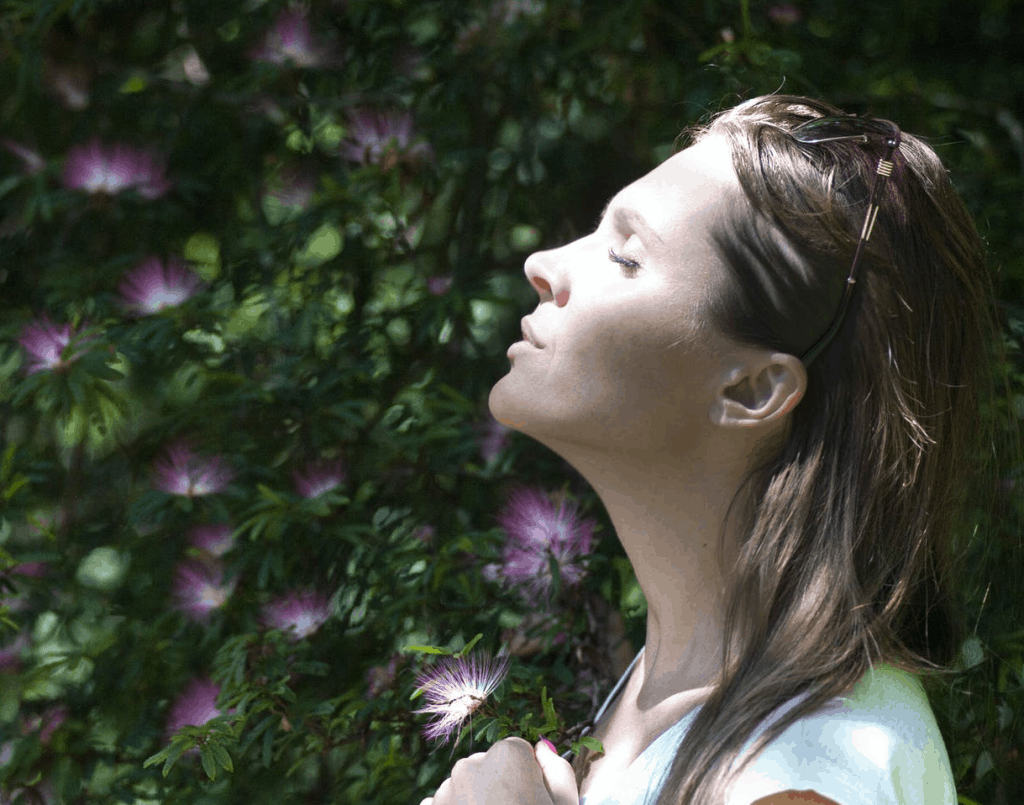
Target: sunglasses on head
[{"x": 867, "y": 130}]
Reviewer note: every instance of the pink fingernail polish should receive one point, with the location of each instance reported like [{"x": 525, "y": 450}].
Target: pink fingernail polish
[{"x": 549, "y": 745}]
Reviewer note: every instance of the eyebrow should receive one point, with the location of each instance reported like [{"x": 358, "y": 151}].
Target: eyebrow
[{"x": 627, "y": 217}]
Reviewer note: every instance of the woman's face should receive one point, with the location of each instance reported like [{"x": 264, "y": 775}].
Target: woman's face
[{"x": 626, "y": 350}]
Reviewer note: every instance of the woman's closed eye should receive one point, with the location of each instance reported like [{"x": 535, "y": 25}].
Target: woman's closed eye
[{"x": 630, "y": 267}]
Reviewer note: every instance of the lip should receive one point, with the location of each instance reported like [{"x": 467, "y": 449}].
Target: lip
[
  {"x": 520, "y": 347},
  {"x": 531, "y": 336}
]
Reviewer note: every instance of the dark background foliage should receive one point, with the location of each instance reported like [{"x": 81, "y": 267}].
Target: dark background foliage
[{"x": 365, "y": 321}]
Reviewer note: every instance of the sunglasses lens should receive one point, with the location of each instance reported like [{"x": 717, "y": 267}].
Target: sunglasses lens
[{"x": 824, "y": 129}]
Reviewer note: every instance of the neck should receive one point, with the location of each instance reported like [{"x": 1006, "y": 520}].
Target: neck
[{"x": 669, "y": 513}]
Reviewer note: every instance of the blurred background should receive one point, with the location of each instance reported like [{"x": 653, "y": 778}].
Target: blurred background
[{"x": 259, "y": 266}]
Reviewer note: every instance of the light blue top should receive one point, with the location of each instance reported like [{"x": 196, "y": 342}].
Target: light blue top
[{"x": 879, "y": 745}]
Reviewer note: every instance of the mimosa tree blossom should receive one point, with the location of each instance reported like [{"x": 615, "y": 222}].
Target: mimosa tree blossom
[
  {"x": 96, "y": 168},
  {"x": 378, "y": 137},
  {"x": 539, "y": 535},
  {"x": 154, "y": 285},
  {"x": 300, "y": 612},
  {"x": 319, "y": 477},
  {"x": 200, "y": 587},
  {"x": 196, "y": 705},
  {"x": 215, "y": 540},
  {"x": 33, "y": 162},
  {"x": 290, "y": 39},
  {"x": 455, "y": 687},
  {"x": 493, "y": 438},
  {"x": 288, "y": 193},
  {"x": 47, "y": 345},
  {"x": 183, "y": 472}
]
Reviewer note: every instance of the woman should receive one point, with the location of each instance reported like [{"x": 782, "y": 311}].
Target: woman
[{"x": 772, "y": 391}]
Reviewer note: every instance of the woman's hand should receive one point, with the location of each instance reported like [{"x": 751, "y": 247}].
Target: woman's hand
[{"x": 509, "y": 773}]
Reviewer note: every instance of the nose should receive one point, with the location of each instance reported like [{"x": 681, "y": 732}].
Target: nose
[{"x": 543, "y": 270}]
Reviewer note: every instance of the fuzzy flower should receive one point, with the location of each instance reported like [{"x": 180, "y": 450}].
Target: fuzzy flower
[
  {"x": 439, "y": 284},
  {"x": 183, "y": 472},
  {"x": 19, "y": 600},
  {"x": 96, "y": 168},
  {"x": 454, "y": 688},
  {"x": 70, "y": 83},
  {"x": 288, "y": 194},
  {"x": 214, "y": 540},
  {"x": 784, "y": 14},
  {"x": 494, "y": 438},
  {"x": 199, "y": 588},
  {"x": 290, "y": 39},
  {"x": 154, "y": 285},
  {"x": 540, "y": 532},
  {"x": 47, "y": 345},
  {"x": 33, "y": 162},
  {"x": 383, "y": 677},
  {"x": 319, "y": 477},
  {"x": 300, "y": 612},
  {"x": 45, "y": 723},
  {"x": 196, "y": 705},
  {"x": 11, "y": 653},
  {"x": 381, "y": 138}
]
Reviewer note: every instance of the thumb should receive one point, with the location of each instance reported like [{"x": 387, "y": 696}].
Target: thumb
[{"x": 559, "y": 777}]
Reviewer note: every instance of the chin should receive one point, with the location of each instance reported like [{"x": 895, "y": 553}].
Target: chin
[{"x": 504, "y": 410}]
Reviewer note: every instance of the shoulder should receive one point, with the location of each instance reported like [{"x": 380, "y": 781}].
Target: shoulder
[
  {"x": 878, "y": 744},
  {"x": 795, "y": 798}
]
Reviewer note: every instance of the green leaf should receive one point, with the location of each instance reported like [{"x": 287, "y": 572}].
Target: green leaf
[
  {"x": 427, "y": 649},
  {"x": 468, "y": 647},
  {"x": 592, "y": 743},
  {"x": 209, "y": 763},
  {"x": 223, "y": 758}
]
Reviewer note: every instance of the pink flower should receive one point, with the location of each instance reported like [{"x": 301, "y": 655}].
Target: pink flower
[
  {"x": 215, "y": 540},
  {"x": 300, "y": 612},
  {"x": 95, "y": 168},
  {"x": 70, "y": 83},
  {"x": 439, "y": 285},
  {"x": 381, "y": 138},
  {"x": 46, "y": 723},
  {"x": 154, "y": 285},
  {"x": 288, "y": 194},
  {"x": 200, "y": 587},
  {"x": 196, "y": 705},
  {"x": 454, "y": 688},
  {"x": 509, "y": 11},
  {"x": 49, "y": 347},
  {"x": 319, "y": 477},
  {"x": 34, "y": 163},
  {"x": 494, "y": 439},
  {"x": 784, "y": 14},
  {"x": 33, "y": 570},
  {"x": 10, "y": 654},
  {"x": 291, "y": 40},
  {"x": 382, "y": 677},
  {"x": 183, "y": 472},
  {"x": 539, "y": 533}
]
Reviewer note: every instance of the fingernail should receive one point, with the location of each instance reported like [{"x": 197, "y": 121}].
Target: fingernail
[{"x": 549, "y": 745}]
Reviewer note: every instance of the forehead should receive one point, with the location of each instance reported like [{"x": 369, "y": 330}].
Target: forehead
[
  {"x": 697, "y": 177},
  {"x": 688, "y": 194}
]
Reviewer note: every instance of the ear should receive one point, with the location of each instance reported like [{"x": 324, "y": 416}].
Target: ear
[{"x": 759, "y": 392}]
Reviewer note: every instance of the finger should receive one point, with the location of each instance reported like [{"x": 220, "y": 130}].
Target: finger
[
  {"x": 427, "y": 801},
  {"x": 559, "y": 777}
]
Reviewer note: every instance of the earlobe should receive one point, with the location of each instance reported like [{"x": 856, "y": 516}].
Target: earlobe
[{"x": 759, "y": 393}]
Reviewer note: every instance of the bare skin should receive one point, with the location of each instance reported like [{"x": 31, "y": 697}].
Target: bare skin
[{"x": 663, "y": 416}]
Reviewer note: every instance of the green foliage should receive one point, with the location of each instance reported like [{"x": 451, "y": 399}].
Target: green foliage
[{"x": 351, "y": 303}]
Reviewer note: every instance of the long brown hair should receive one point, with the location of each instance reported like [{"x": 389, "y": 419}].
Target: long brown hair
[{"x": 844, "y": 559}]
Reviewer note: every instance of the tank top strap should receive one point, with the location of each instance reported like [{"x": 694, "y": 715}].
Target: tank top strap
[{"x": 610, "y": 698}]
